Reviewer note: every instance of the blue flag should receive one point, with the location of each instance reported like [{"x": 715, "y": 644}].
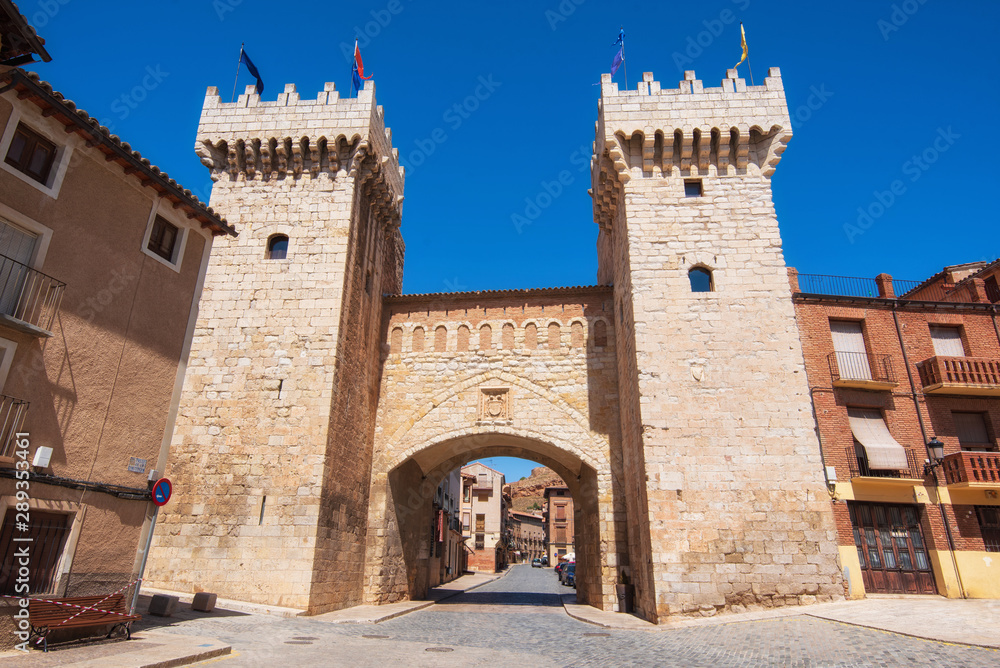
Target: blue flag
[
  {"x": 619, "y": 59},
  {"x": 621, "y": 38},
  {"x": 252, "y": 69}
]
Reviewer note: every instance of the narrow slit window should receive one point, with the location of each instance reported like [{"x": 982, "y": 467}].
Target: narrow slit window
[
  {"x": 277, "y": 247},
  {"x": 701, "y": 280}
]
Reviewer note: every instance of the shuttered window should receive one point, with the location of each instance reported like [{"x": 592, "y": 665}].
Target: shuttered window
[
  {"x": 849, "y": 346},
  {"x": 881, "y": 449},
  {"x": 971, "y": 429},
  {"x": 947, "y": 341}
]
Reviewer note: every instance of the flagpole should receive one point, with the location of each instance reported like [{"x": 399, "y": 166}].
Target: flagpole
[
  {"x": 624, "y": 64},
  {"x": 238, "y": 63}
]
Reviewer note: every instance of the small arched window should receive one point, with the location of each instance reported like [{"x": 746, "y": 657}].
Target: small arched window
[
  {"x": 600, "y": 334},
  {"x": 701, "y": 280},
  {"x": 396, "y": 341},
  {"x": 463, "y": 339},
  {"x": 440, "y": 339},
  {"x": 530, "y": 336},
  {"x": 277, "y": 247},
  {"x": 485, "y": 337},
  {"x": 418, "y": 340}
]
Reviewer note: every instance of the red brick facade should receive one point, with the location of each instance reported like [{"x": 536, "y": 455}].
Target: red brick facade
[{"x": 898, "y": 341}]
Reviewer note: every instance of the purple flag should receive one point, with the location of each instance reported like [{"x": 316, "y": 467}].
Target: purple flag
[{"x": 619, "y": 59}]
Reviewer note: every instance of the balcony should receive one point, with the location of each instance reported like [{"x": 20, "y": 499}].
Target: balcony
[
  {"x": 12, "y": 412},
  {"x": 862, "y": 370},
  {"x": 972, "y": 469},
  {"x": 961, "y": 375},
  {"x": 858, "y": 464},
  {"x": 29, "y": 299}
]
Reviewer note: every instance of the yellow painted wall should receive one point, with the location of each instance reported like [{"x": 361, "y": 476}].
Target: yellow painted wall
[
  {"x": 980, "y": 573},
  {"x": 852, "y": 570}
]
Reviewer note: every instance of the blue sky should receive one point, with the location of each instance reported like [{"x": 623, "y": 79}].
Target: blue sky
[{"x": 880, "y": 92}]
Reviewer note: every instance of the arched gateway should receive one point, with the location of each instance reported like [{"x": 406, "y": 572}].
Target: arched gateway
[{"x": 321, "y": 407}]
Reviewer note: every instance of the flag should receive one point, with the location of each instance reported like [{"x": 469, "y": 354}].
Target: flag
[
  {"x": 620, "y": 56},
  {"x": 358, "y": 71},
  {"x": 252, "y": 69},
  {"x": 743, "y": 40},
  {"x": 618, "y": 60}
]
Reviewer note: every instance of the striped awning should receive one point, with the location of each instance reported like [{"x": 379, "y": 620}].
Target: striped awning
[{"x": 869, "y": 429}]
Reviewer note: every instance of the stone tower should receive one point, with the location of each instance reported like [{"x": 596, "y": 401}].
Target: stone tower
[
  {"x": 271, "y": 454},
  {"x": 719, "y": 443}
]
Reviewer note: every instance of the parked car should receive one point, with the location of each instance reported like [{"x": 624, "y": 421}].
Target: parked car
[
  {"x": 569, "y": 575},
  {"x": 536, "y": 563},
  {"x": 567, "y": 567},
  {"x": 545, "y": 561}
]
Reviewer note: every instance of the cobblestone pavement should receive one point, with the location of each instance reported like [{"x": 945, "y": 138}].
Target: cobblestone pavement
[{"x": 518, "y": 620}]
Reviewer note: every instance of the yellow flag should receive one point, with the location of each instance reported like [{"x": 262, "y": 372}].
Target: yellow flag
[{"x": 743, "y": 40}]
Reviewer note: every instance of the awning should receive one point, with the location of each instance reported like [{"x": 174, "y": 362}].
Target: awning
[{"x": 869, "y": 429}]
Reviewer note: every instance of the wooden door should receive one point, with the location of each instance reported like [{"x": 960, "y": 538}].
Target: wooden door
[{"x": 891, "y": 549}]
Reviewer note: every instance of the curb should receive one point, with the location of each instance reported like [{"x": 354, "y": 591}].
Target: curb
[{"x": 995, "y": 648}]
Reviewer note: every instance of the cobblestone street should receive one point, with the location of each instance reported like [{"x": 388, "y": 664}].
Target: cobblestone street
[{"x": 519, "y": 620}]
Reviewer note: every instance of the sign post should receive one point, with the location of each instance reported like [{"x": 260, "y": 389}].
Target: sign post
[{"x": 161, "y": 492}]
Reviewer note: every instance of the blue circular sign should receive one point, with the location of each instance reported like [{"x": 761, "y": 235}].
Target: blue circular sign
[{"x": 161, "y": 491}]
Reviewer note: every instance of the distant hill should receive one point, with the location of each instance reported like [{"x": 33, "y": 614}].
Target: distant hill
[{"x": 530, "y": 491}]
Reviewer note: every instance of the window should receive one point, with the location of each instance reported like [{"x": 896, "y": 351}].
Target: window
[
  {"x": 851, "y": 353},
  {"x": 701, "y": 280},
  {"x": 31, "y": 154},
  {"x": 17, "y": 247},
  {"x": 693, "y": 188},
  {"x": 992, "y": 289},
  {"x": 483, "y": 498},
  {"x": 467, "y": 493},
  {"x": 600, "y": 333},
  {"x": 879, "y": 451},
  {"x": 163, "y": 239},
  {"x": 418, "y": 340},
  {"x": 440, "y": 339},
  {"x": 561, "y": 512},
  {"x": 465, "y": 521},
  {"x": 480, "y": 541},
  {"x": 480, "y": 522},
  {"x": 947, "y": 341},
  {"x": 277, "y": 247},
  {"x": 971, "y": 430},
  {"x": 989, "y": 526},
  {"x": 47, "y": 534}
]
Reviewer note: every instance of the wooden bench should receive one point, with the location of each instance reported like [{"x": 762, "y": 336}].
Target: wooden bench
[{"x": 55, "y": 614}]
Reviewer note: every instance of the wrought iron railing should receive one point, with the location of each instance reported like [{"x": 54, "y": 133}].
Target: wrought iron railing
[
  {"x": 857, "y": 462},
  {"x": 28, "y": 295},
  {"x": 12, "y": 412},
  {"x": 966, "y": 467},
  {"x": 861, "y": 367},
  {"x": 967, "y": 371},
  {"x": 888, "y": 288}
]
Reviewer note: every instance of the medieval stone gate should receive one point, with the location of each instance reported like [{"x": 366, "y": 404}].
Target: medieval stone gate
[{"x": 321, "y": 406}]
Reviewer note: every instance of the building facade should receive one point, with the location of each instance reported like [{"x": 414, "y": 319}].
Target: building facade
[
  {"x": 559, "y": 528},
  {"x": 894, "y": 365},
  {"x": 322, "y": 407},
  {"x": 448, "y": 560},
  {"x": 528, "y": 533},
  {"x": 102, "y": 264},
  {"x": 484, "y": 519}
]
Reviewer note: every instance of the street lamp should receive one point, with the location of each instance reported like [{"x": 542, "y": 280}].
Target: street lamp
[{"x": 936, "y": 449}]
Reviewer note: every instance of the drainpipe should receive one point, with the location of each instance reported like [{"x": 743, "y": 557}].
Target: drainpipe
[
  {"x": 995, "y": 328},
  {"x": 923, "y": 432}
]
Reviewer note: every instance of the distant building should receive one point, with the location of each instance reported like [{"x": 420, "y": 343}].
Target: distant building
[
  {"x": 558, "y": 522},
  {"x": 448, "y": 553},
  {"x": 102, "y": 263},
  {"x": 483, "y": 521},
  {"x": 528, "y": 531}
]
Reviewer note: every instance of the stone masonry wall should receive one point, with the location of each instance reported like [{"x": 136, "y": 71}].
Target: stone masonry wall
[
  {"x": 738, "y": 512},
  {"x": 546, "y": 357},
  {"x": 258, "y": 466}
]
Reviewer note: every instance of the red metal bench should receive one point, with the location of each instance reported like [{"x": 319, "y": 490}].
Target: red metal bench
[{"x": 50, "y": 615}]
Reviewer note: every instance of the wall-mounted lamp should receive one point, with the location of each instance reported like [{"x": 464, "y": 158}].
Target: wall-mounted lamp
[{"x": 936, "y": 449}]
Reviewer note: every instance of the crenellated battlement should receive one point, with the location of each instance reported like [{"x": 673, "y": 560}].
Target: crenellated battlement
[
  {"x": 690, "y": 131},
  {"x": 325, "y": 137}
]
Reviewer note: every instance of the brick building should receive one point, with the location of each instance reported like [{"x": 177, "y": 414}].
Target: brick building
[
  {"x": 559, "y": 528},
  {"x": 102, "y": 263},
  {"x": 528, "y": 532},
  {"x": 893, "y": 365}
]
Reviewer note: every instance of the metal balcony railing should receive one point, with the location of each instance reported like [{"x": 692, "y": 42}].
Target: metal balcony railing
[
  {"x": 969, "y": 375},
  {"x": 972, "y": 467},
  {"x": 857, "y": 462},
  {"x": 861, "y": 367},
  {"x": 844, "y": 286},
  {"x": 27, "y": 295},
  {"x": 888, "y": 288},
  {"x": 12, "y": 412}
]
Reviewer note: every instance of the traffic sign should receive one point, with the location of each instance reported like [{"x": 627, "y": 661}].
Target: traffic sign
[{"x": 161, "y": 491}]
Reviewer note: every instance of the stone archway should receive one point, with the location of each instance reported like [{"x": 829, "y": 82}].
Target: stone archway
[{"x": 401, "y": 509}]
